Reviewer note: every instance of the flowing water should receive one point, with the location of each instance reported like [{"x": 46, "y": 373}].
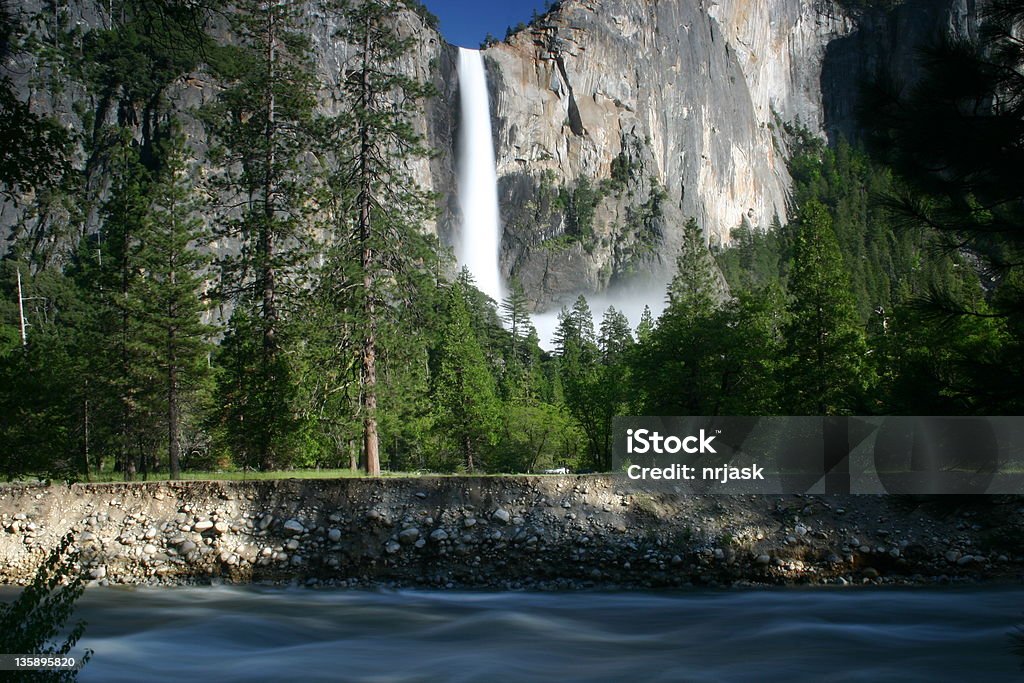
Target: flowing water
[
  {"x": 277, "y": 634},
  {"x": 480, "y": 236}
]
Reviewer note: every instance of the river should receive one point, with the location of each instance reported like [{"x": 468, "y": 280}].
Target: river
[{"x": 280, "y": 634}]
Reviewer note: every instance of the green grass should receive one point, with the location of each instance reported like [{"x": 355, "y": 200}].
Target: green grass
[
  {"x": 239, "y": 475},
  {"x": 234, "y": 475}
]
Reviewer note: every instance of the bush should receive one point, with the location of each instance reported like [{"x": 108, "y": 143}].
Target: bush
[{"x": 31, "y": 623}]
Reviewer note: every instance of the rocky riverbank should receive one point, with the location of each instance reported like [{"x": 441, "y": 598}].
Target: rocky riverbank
[{"x": 552, "y": 532}]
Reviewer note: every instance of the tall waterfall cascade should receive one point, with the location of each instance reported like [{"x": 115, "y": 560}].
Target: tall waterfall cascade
[{"x": 479, "y": 239}]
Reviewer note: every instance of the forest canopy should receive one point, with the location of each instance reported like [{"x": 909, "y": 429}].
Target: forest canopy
[{"x": 334, "y": 331}]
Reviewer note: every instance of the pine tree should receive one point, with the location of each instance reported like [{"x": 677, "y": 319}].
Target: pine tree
[
  {"x": 515, "y": 312},
  {"x": 615, "y": 338},
  {"x": 692, "y": 291},
  {"x": 746, "y": 349},
  {"x": 516, "y": 317},
  {"x": 575, "y": 332},
  {"x": 579, "y": 373},
  {"x": 262, "y": 124},
  {"x": 377, "y": 208},
  {"x": 254, "y": 422},
  {"x": 464, "y": 391},
  {"x": 612, "y": 389},
  {"x": 115, "y": 354},
  {"x": 645, "y": 327},
  {"x": 43, "y": 383},
  {"x": 956, "y": 142},
  {"x": 826, "y": 346},
  {"x": 168, "y": 296},
  {"x": 675, "y": 364},
  {"x": 538, "y": 386}
]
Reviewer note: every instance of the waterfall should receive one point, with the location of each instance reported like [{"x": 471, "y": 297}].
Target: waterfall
[{"x": 479, "y": 239}]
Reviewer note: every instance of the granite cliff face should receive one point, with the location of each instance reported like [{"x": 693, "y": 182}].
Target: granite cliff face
[
  {"x": 614, "y": 120},
  {"x": 665, "y": 110},
  {"x": 888, "y": 43}
]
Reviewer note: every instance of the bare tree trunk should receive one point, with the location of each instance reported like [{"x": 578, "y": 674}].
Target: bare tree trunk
[
  {"x": 353, "y": 456},
  {"x": 370, "y": 438},
  {"x": 266, "y": 245},
  {"x": 173, "y": 443},
  {"x": 269, "y": 198},
  {"x": 85, "y": 454},
  {"x": 143, "y": 458},
  {"x": 371, "y": 442},
  {"x": 127, "y": 459}
]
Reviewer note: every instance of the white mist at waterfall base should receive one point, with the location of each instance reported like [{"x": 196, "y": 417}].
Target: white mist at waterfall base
[
  {"x": 479, "y": 239},
  {"x": 629, "y": 300}
]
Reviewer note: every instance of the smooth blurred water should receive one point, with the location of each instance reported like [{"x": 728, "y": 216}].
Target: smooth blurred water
[{"x": 276, "y": 634}]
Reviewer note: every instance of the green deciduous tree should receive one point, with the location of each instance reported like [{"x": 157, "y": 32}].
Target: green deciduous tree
[{"x": 533, "y": 436}]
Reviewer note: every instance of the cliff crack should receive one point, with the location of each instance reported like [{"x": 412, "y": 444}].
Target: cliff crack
[{"x": 575, "y": 120}]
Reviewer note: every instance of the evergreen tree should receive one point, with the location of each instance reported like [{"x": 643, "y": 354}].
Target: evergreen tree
[
  {"x": 255, "y": 421},
  {"x": 516, "y": 317},
  {"x": 169, "y": 303},
  {"x": 615, "y": 338},
  {"x": 44, "y": 389},
  {"x": 675, "y": 364},
  {"x": 747, "y": 348},
  {"x": 262, "y": 123},
  {"x": 956, "y": 142},
  {"x": 378, "y": 209},
  {"x": 113, "y": 342},
  {"x": 613, "y": 389},
  {"x": 645, "y": 327},
  {"x": 692, "y": 292},
  {"x": 826, "y": 346},
  {"x": 464, "y": 391},
  {"x": 579, "y": 372},
  {"x": 140, "y": 333},
  {"x": 575, "y": 332},
  {"x": 515, "y": 311},
  {"x": 538, "y": 385}
]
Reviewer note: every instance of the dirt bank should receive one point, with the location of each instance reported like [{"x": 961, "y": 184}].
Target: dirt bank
[{"x": 505, "y": 532}]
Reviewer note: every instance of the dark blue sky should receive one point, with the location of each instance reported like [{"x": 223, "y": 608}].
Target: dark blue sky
[{"x": 466, "y": 22}]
